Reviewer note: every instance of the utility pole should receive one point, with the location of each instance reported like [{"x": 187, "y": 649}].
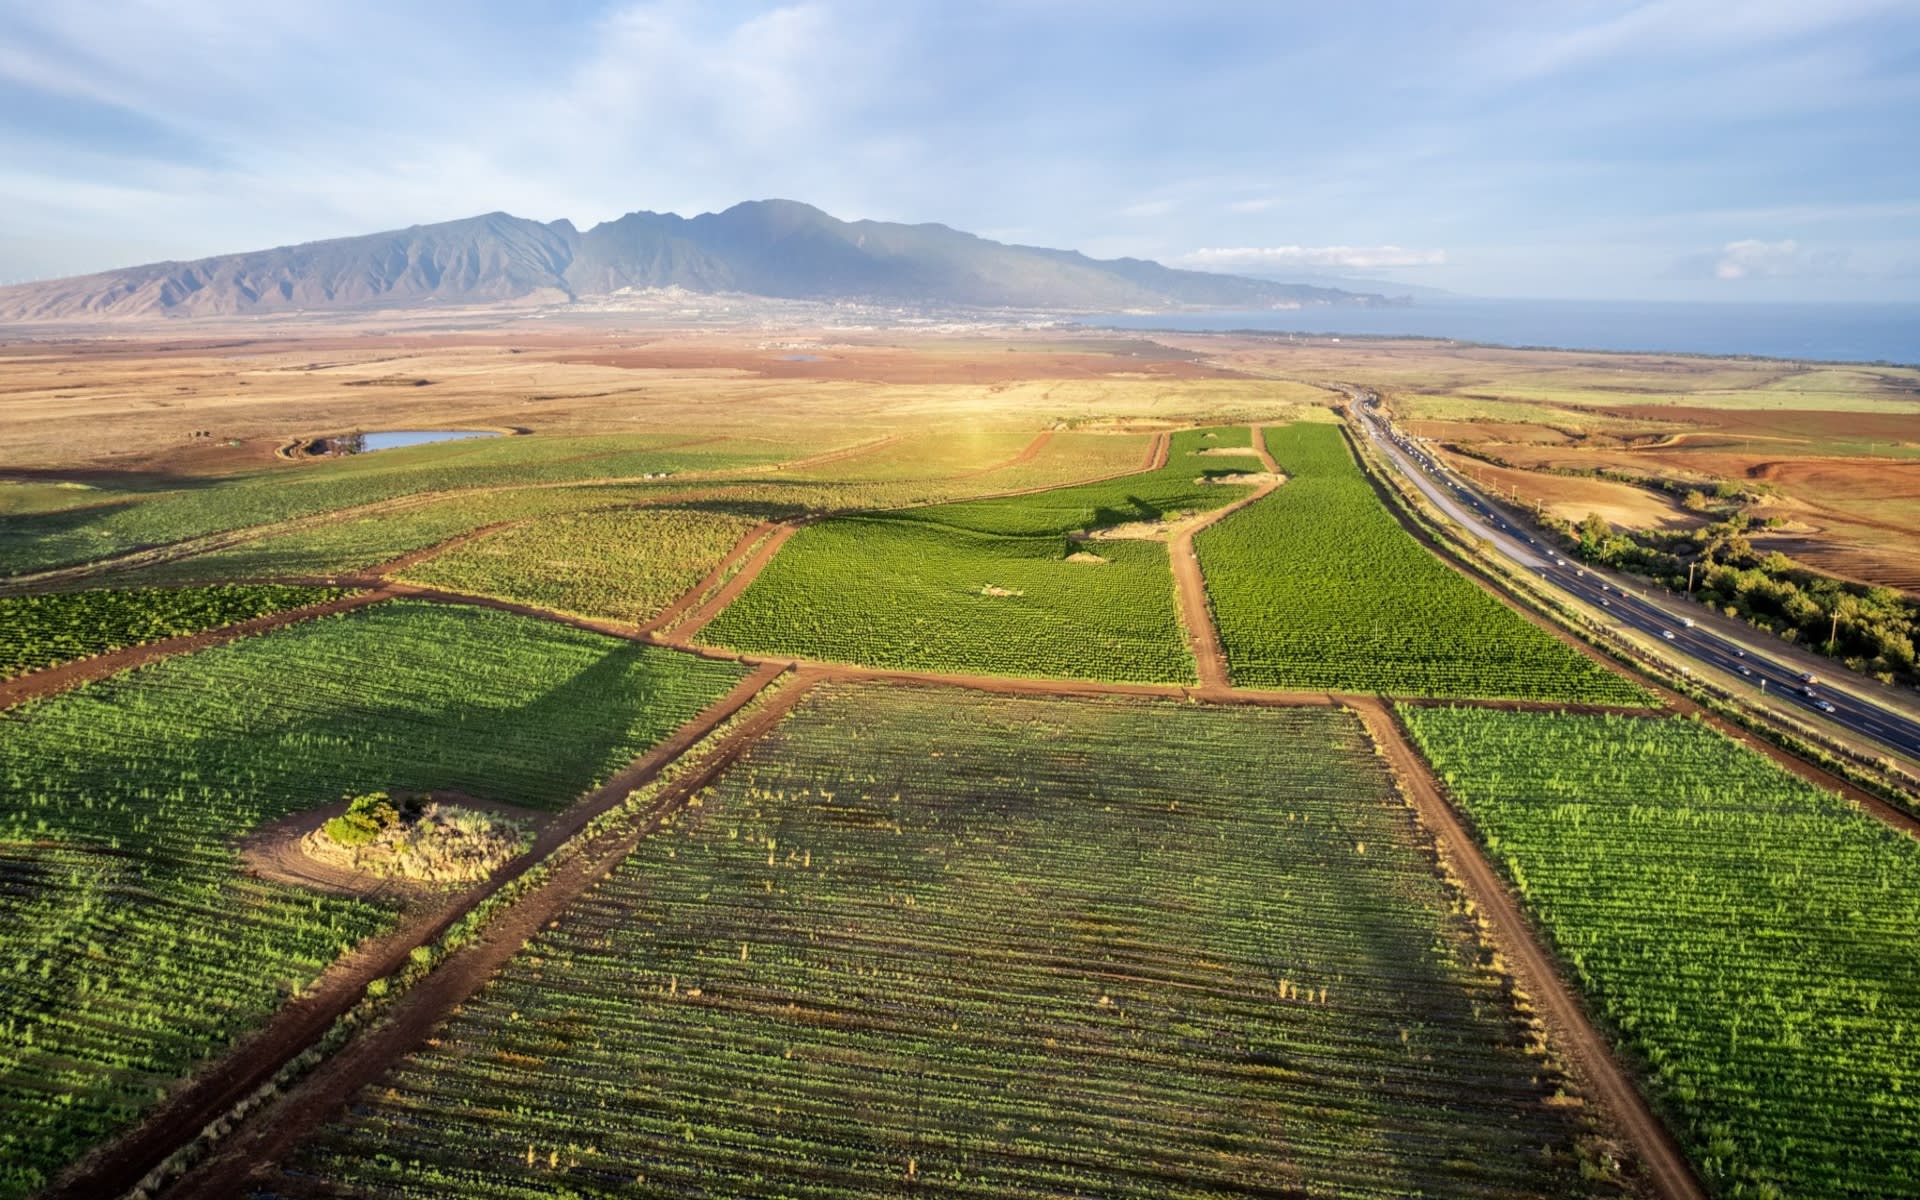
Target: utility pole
[
  {"x": 1690, "y": 567},
  {"x": 1833, "y": 635}
]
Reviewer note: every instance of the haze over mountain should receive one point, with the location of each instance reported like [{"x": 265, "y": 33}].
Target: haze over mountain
[{"x": 773, "y": 248}]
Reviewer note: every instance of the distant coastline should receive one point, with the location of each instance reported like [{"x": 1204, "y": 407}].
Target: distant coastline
[{"x": 1845, "y": 333}]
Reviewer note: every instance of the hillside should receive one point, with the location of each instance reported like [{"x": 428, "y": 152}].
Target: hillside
[{"x": 774, "y": 248}]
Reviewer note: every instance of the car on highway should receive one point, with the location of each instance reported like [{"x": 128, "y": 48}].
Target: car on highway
[
  {"x": 1744, "y": 669},
  {"x": 1824, "y": 706},
  {"x": 1809, "y": 677},
  {"x": 1667, "y": 634},
  {"x": 1808, "y": 693}
]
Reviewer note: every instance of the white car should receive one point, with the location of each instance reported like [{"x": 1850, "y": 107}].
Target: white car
[
  {"x": 1667, "y": 634},
  {"x": 1824, "y": 706},
  {"x": 1744, "y": 669}
]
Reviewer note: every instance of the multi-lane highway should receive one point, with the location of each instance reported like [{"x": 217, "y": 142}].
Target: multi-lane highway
[{"x": 1627, "y": 601}]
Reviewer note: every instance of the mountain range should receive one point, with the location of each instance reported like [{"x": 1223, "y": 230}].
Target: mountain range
[{"x": 771, "y": 248}]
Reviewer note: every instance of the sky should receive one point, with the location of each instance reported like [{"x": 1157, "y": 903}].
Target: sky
[{"x": 1672, "y": 149}]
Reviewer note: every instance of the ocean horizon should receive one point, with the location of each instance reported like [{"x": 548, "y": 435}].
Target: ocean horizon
[{"x": 1836, "y": 332}]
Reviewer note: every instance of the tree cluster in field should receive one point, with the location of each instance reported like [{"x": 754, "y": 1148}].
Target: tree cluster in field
[
  {"x": 136, "y": 944},
  {"x": 418, "y": 839}
]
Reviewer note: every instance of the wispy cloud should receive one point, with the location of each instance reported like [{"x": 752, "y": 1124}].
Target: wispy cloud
[
  {"x": 1554, "y": 149},
  {"x": 1367, "y": 258},
  {"x": 1674, "y": 28},
  {"x": 1755, "y": 258}
]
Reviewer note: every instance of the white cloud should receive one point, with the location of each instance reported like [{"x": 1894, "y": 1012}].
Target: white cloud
[
  {"x": 1751, "y": 256},
  {"x": 1252, "y": 206},
  {"x": 1754, "y": 258},
  {"x": 1148, "y": 208},
  {"x": 1344, "y": 257}
]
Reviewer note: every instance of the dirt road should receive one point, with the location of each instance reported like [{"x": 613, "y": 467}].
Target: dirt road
[
  {"x": 86, "y": 670},
  {"x": 1589, "y": 1058}
]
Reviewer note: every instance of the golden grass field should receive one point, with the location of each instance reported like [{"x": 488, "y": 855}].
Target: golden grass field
[{"x": 157, "y": 408}]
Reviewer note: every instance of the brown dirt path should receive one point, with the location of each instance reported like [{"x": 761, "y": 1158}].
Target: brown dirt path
[
  {"x": 1190, "y": 583},
  {"x": 1027, "y": 454},
  {"x": 1158, "y": 453},
  {"x": 319, "y": 1098},
  {"x": 117, "y": 1167},
  {"x": 756, "y": 562},
  {"x": 1260, "y": 447},
  {"x": 729, "y": 561},
  {"x": 414, "y": 558},
  {"x": 1589, "y": 1057},
  {"x": 86, "y": 670}
]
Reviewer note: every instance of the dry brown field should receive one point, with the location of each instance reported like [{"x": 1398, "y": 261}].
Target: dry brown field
[{"x": 158, "y": 406}]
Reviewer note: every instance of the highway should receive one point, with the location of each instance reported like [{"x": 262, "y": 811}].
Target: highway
[{"x": 1626, "y": 601}]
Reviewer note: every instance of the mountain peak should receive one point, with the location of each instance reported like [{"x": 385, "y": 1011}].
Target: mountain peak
[{"x": 773, "y": 247}]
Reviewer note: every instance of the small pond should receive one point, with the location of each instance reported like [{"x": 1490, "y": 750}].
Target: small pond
[{"x": 393, "y": 439}]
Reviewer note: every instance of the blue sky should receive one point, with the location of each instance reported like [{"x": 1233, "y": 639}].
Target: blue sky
[{"x": 1760, "y": 149}]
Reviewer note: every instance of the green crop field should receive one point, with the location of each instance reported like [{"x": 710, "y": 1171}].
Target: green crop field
[
  {"x": 42, "y": 631},
  {"x": 925, "y": 941},
  {"x": 37, "y": 540},
  {"x": 1317, "y": 586},
  {"x": 1754, "y": 941},
  {"x": 987, "y": 586},
  {"x": 356, "y": 542},
  {"x": 627, "y": 565},
  {"x": 131, "y": 944}
]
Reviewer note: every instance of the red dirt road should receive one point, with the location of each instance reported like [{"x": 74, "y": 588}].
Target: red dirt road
[
  {"x": 710, "y": 580},
  {"x": 1590, "y": 1059},
  {"x": 1190, "y": 584},
  {"x": 86, "y": 670}
]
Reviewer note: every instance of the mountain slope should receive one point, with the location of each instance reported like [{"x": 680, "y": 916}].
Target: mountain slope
[{"x": 776, "y": 248}]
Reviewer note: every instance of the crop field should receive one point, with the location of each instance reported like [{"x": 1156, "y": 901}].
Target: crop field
[
  {"x": 43, "y": 631},
  {"x": 934, "y": 942},
  {"x": 355, "y": 542},
  {"x": 987, "y": 586},
  {"x": 626, "y": 565},
  {"x": 131, "y": 945},
  {"x": 1753, "y": 940},
  {"x": 35, "y": 541},
  {"x": 1317, "y": 586}
]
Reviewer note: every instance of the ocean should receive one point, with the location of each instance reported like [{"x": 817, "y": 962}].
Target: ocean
[{"x": 1821, "y": 332}]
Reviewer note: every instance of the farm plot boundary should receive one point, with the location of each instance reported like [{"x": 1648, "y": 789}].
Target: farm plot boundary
[{"x": 324, "y": 1093}]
